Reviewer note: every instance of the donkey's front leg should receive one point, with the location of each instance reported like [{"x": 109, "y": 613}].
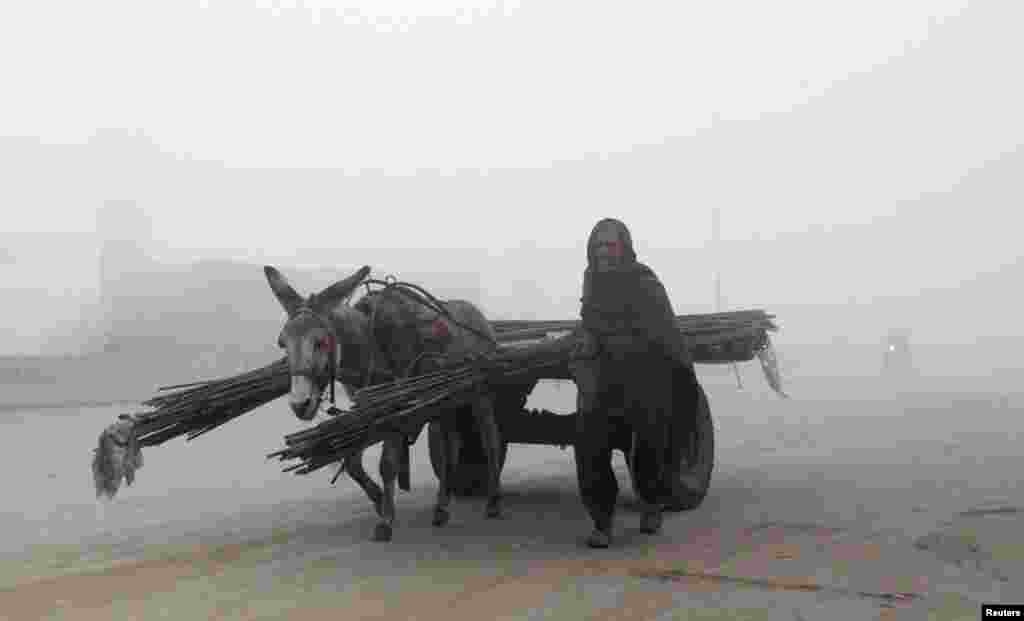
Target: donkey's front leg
[
  {"x": 445, "y": 445},
  {"x": 490, "y": 437},
  {"x": 355, "y": 470},
  {"x": 390, "y": 456}
]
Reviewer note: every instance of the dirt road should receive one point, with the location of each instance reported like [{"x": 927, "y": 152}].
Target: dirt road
[{"x": 882, "y": 506}]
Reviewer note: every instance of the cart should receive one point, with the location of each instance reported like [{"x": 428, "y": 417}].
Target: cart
[
  {"x": 691, "y": 475},
  {"x": 718, "y": 338}
]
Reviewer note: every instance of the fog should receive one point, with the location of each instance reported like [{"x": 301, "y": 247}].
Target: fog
[
  {"x": 865, "y": 159},
  {"x": 852, "y": 168}
]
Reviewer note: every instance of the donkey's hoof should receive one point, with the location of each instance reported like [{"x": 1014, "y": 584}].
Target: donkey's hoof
[
  {"x": 493, "y": 509},
  {"x": 382, "y": 532},
  {"x": 650, "y": 522},
  {"x": 599, "y": 539},
  {"x": 440, "y": 517}
]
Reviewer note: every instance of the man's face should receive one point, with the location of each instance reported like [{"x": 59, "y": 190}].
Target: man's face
[{"x": 608, "y": 248}]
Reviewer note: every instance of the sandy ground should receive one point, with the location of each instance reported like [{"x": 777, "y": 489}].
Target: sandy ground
[{"x": 867, "y": 504}]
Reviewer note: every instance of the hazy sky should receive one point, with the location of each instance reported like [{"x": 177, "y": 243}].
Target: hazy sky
[{"x": 429, "y": 83}]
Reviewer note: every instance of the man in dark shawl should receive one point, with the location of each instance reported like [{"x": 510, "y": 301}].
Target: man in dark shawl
[{"x": 632, "y": 362}]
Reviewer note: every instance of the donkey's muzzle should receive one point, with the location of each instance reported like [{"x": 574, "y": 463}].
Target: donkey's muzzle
[
  {"x": 303, "y": 409},
  {"x": 304, "y": 398}
]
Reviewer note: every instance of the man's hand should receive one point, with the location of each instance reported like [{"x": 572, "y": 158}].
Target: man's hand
[{"x": 586, "y": 347}]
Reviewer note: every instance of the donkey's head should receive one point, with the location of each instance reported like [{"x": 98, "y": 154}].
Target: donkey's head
[{"x": 309, "y": 337}]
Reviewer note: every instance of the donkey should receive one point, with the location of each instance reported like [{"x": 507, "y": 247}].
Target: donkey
[{"x": 386, "y": 335}]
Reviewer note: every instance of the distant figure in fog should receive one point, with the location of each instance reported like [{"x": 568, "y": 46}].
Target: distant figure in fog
[{"x": 896, "y": 358}]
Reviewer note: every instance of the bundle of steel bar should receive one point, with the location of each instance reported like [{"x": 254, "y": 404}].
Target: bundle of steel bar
[
  {"x": 402, "y": 407},
  {"x": 194, "y": 409}
]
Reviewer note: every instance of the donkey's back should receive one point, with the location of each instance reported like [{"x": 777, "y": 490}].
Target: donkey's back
[
  {"x": 469, "y": 330},
  {"x": 481, "y": 339}
]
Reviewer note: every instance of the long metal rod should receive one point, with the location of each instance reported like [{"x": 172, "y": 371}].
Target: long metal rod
[{"x": 717, "y": 246}]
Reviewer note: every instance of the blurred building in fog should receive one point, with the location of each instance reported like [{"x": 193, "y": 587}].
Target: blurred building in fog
[
  {"x": 48, "y": 280},
  {"x": 839, "y": 247},
  {"x": 125, "y": 232}
]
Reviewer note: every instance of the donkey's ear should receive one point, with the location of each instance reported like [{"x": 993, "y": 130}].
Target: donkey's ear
[
  {"x": 283, "y": 290},
  {"x": 339, "y": 291}
]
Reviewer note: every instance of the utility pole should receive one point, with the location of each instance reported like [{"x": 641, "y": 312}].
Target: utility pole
[
  {"x": 716, "y": 242},
  {"x": 716, "y": 250}
]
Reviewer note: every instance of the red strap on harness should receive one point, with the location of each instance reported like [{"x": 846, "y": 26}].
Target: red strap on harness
[{"x": 440, "y": 329}]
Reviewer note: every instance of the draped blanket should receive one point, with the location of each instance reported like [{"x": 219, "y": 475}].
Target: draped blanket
[{"x": 627, "y": 310}]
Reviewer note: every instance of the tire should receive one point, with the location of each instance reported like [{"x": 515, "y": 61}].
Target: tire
[
  {"x": 469, "y": 479},
  {"x": 691, "y": 477},
  {"x": 470, "y": 476}
]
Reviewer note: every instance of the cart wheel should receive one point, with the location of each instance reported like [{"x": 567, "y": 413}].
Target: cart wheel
[
  {"x": 470, "y": 480},
  {"x": 471, "y": 473},
  {"x": 470, "y": 476},
  {"x": 692, "y": 476}
]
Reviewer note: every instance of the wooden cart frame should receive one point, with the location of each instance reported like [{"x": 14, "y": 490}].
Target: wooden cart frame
[
  {"x": 719, "y": 338},
  {"x": 691, "y": 476}
]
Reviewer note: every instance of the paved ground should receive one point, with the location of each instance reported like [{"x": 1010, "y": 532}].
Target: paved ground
[{"x": 866, "y": 505}]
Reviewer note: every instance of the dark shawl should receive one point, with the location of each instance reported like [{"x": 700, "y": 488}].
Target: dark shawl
[{"x": 628, "y": 310}]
